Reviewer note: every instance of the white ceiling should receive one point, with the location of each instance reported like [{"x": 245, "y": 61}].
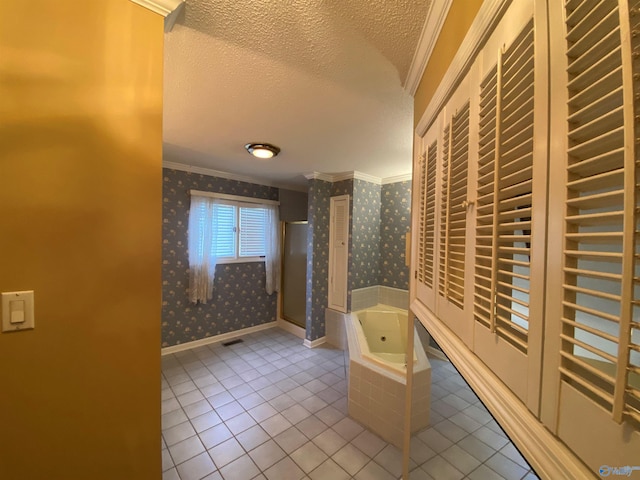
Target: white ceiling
[{"x": 321, "y": 79}]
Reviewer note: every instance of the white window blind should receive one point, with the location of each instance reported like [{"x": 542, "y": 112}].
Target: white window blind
[
  {"x": 225, "y": 234},
  {"x": 253, "y": 232}
]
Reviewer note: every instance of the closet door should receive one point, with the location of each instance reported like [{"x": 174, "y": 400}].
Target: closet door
[
  {"x": 425, "y": 217},
  {"x": 454, "y": 237},
  {"x": 594, "y": 296},
  {"x": 511, "y": 202},
  {"x": 338, "y": 252}
]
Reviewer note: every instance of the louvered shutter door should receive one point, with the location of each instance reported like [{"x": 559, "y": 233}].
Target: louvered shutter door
[
  {"x": 444, "y": 205},
  {"x": 504, "y": 228},
  {"x": 515, "y": 191},
  {"x": 598, "y": 372},
  {"x": 453, "y": 209},
  {"x": 338, "y": 252},
  {"x": 426, "y": 235},
  {"x": 631, "y": 402},
  {"x": 485, "y": 253}
]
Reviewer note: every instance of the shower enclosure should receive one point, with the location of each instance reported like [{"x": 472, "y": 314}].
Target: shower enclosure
[{"x": 294, "y": 272}]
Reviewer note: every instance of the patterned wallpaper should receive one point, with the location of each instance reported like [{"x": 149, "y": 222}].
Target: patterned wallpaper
[
  {"x": 317, "y": 257},
  {"x": 395, "y": 221},
  {"x": 379, "y": 218},
  {"x": 240, "y": 300},
  {"x": 365, "y": 261}
]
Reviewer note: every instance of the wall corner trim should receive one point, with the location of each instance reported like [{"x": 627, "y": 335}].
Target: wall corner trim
[
  {"x": 217, "y": 338},
  {"x": 545, "y": 452},
  {"x": 428, "y": 38},
  {"x": 489, "y": 14},
  {"x": 169, "y": 9},
  {"x": 314, "y": 343}
]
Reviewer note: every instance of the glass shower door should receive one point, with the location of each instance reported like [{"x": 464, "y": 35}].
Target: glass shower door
[{"x": 294, "y": 272}]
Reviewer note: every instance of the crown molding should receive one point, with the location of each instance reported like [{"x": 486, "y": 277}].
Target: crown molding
[
  {"x": 355, "y": 175},
  {"x": 398, "y": 178},
  {"x": 309, "y": 176},
  {"x": 229, "y": 176},
  {"x": 169, "y": 9},
  {"x": 319, "y": 176},
  {"x": 430, "y": 31},
  {"x": 367, "y": 178},
  {"x": 489, "y": 14}
]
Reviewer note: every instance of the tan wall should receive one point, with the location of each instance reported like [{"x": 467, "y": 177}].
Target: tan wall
[
  {"x": 80, "y": 223},
  {"x": 459, "y": 19}
]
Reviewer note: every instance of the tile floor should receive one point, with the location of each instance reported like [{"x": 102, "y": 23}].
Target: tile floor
[{"x": 270, "y": 408}]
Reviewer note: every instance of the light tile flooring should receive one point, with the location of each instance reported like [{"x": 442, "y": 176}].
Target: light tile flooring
[{"x": 271, "y": 408}]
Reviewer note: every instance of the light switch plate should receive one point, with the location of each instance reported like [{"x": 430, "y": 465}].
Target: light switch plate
[{"x": 17, "y": 306}]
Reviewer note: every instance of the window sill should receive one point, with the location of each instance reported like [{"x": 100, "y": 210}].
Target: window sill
[{"x": 239, "y": 260}]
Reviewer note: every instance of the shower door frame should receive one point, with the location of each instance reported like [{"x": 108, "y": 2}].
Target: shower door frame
[{"x": 290, "y": 320}]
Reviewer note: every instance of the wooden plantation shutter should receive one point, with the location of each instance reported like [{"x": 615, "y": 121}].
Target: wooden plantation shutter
[
  {"x": 503, "y": 225},
  {"x": 427, "y": 216},
  {"x": 425, "y": 271},
  {"x": 505, "y": 192},
  {"x": 515, "y": 191},
  {"x": 595, "y": 297},
  {"x": 453, "y": 217},
  {"x": 485, "y": 253},
  {"x": 595, "y": 204},
  {"x": 631, "y": 402},
  {"x": 600, "y": 340}
]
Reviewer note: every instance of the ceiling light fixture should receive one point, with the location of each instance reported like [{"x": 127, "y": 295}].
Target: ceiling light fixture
[{"x": 262, "y": 150}]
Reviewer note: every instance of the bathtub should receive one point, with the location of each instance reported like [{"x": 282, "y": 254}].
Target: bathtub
[
  {"x": 377, "y": 372},
  {"x": 385, "y": 335}
]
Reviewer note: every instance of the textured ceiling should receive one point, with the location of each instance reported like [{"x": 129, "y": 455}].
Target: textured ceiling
[{"x": 322, "y": 79}]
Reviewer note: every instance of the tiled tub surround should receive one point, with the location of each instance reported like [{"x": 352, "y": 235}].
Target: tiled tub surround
[
  {"x": 377, "y": 381},
  {"x": 370, "y": 296}
]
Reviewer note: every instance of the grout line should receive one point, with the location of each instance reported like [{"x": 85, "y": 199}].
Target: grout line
[{"x": 269, "y": 343}]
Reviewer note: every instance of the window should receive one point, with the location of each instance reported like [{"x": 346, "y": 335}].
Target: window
[
  {"x": 240, "y": 232},
  {"x": 225, "y": 229}
]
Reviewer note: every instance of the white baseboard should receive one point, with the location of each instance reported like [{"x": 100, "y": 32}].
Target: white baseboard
[
  {"x": 217, "y": 338},
  {"x": 315, "y": 343},
  {"x": 434, "y": 352},
  {"x": 550, "y": 458},
  {"x": 291, "y": 328}
]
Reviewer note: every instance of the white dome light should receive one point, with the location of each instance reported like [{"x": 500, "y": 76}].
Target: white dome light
[{"x": 262, "y": 150}]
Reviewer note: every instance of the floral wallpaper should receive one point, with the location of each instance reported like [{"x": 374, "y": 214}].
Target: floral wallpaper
[
  {"x": 395, "y": 222},
  {"x": 240, "y": 300},
  {"x": 365, "y": 262},
  {"x": 379, "y": 219},
  {"x": 317, "y": 257}
]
